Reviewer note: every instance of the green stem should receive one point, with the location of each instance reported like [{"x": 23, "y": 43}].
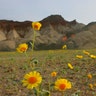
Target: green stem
[
  {"x": 26, "y": 54},
  {"x": 34, "y": 35},
  {"x": 32, "y": 44},
  {"x": 37, "y": 90},
  {"x": 25, "y": 65}
]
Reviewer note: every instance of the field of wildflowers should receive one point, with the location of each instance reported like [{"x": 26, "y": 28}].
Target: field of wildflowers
[
  {"x": 47, "y": 67},
  {"x": 47, "y": 73}
]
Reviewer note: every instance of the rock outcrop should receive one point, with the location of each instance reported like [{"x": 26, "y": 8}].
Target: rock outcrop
[
  {"x": 55, "y": 32},
  {"x": 86, "y": 38}
]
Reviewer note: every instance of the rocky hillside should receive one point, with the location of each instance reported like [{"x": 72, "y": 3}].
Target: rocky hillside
[{"x": 55, "y": 32}]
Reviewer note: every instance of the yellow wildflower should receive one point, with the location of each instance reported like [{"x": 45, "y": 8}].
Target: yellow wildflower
[
  {"x": 36, "y": 25},
  {"x": 22, "y": 48},
  {"x": 62, "y": 84},
  {"x": 86, "y": 52},
  {"x": 79, "y": 56},
  {"x": 93, "y": 56},
  {"x": 64, "y": 47},
  {"x": 70, "y": 66},
  {"x": 32, "y": 79},
  {"x": 91, "y": 86},
  {"x": 53, "y": 74},
  {"x": 89, "y": 76}
]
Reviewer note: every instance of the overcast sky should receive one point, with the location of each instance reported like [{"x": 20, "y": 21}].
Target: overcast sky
[{"x": 84, "y": 11}]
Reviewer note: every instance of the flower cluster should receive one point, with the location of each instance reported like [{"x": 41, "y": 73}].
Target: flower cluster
[{"x": 33, "y": 79}]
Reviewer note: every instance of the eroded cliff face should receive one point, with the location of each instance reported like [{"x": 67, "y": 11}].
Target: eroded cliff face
[{"x": 55, "y": 32}]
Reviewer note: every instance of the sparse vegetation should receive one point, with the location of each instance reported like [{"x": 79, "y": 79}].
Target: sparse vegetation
[{"x": 14, "y": 65}]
